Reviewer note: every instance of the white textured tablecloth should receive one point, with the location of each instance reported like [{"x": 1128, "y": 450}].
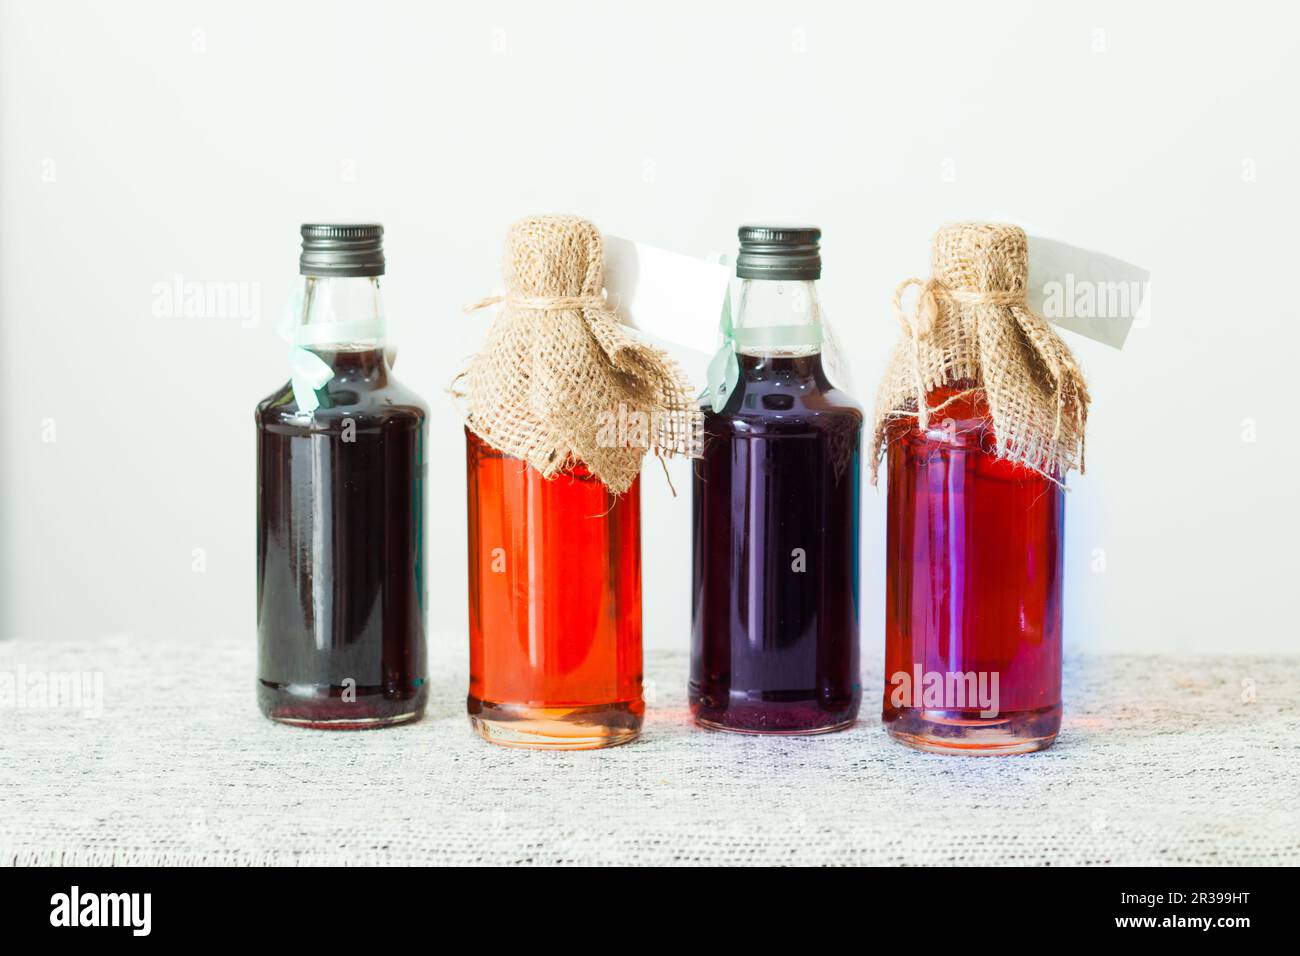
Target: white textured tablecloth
[{"x": 1160, "y": 761}]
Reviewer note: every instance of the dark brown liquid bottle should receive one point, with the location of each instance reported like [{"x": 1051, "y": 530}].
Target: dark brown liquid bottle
[{"x": 340, "y": 466}]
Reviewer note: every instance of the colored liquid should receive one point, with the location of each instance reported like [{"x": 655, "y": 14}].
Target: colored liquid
[
  {"x": 340, "y": 579},
  {"x": 973, "y": 586},
  {"x": 775, "y": 578},
  {"x": 554, "y": 605}
]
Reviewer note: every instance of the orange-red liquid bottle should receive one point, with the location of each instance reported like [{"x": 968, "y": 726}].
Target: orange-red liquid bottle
[{"x": 554, "y": 605}]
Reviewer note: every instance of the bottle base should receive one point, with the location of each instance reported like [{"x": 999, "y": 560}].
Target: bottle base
[
  {"x": 966, "y": 733},
  {"x": 757, "y": 729},
  {"x": 556, "y": 728},
  {"x": 752, "y": 714},
  {"x": 324, "y": 707}
]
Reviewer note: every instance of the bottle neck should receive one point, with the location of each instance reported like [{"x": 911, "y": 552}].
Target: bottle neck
[
  {"x": 778, "y": 319},
  {"x": 342, "y": 314}
]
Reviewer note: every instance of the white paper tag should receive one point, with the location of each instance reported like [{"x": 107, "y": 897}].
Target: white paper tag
[
  {"x": 1096, "y": 295},
  {"x": 1091, "y": 293},
  {"x": 673, "y": 297}
]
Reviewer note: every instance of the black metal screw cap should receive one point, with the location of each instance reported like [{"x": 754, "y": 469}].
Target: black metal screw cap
[
  {"x": 342, "y": 250},
  {"x": 779, "y": 252}
]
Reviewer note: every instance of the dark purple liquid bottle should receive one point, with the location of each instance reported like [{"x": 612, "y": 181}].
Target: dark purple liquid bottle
[{"x": 775, "y": 577}]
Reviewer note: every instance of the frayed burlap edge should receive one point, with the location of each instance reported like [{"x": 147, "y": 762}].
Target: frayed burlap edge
[
  {"x": 972, "y": 324},
  {"x": 560, "y": 382}
]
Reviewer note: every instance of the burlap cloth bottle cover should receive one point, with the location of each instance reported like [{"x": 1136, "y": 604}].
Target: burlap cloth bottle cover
[
  {"x": 557, "y": 366},
  {"x": 972, "y": 323}
]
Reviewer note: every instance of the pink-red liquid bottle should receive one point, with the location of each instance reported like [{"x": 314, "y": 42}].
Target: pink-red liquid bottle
[{"x": 973, "y": 599}]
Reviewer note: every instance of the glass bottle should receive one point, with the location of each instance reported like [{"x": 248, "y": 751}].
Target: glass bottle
[
  {"x": 340, "y": 493},
  {"x": 973, "y": 600},
  {"x": 775, "y": 513},
  {"x": 554, "y": 605}
]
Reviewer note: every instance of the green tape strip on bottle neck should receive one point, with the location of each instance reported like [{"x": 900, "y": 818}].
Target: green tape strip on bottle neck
[
  {"x": 308, "y": 372},
  {"x": 724, "y": 369}
]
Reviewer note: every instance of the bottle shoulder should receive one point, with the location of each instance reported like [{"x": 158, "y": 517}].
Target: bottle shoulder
[
  {"x": 785, "y": 409},
  {"x": 359, "y": 401},
  {"x": 837, "y": 399},
  {"x": 398, "y": 394}
]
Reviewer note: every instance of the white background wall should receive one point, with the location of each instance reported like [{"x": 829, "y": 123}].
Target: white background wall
[{"x": 145, "y": 140}]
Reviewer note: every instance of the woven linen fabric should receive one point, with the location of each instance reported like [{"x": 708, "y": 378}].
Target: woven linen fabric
[{"x": 1160, "y": 761}]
